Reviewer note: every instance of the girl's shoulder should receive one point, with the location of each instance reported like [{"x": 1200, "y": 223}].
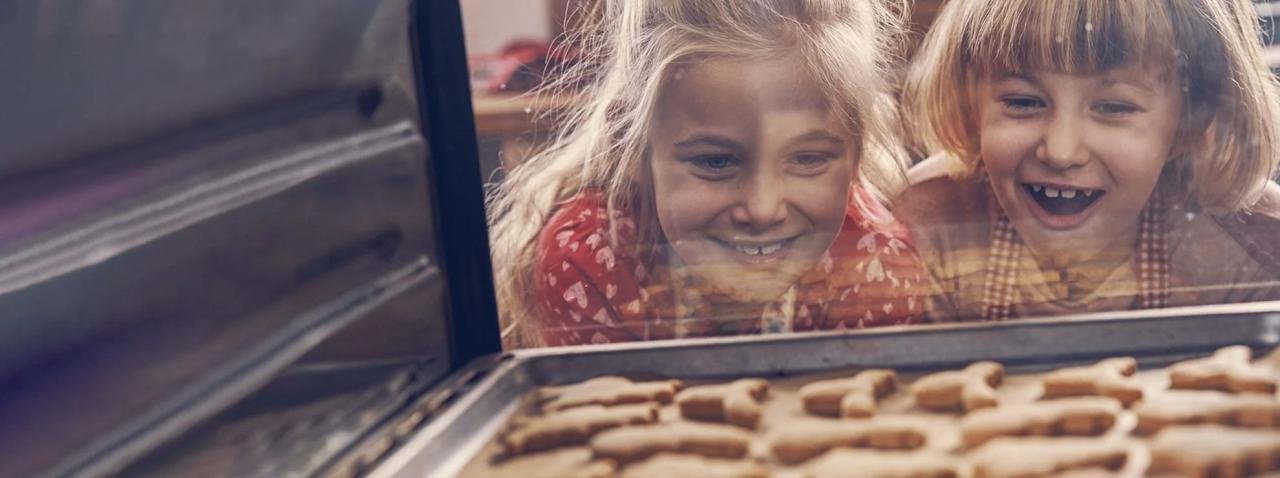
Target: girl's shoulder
[
  {"x": 1258, "y": 230},
  {"x": 941, "y": 197},
  {"x": 585, "y": 219}
]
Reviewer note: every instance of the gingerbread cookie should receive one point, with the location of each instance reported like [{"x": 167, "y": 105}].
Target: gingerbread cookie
[
  {"x": 1108, "y": 378},
  {"x": 1228, "y": 370},
  {"x": 1078, "y": 416},
  {"x": 596, "y": 469},
  {"x": 573, "y": 426},
  {"x": 969, "y": 389},
  {"x": 607, "y": 391},
  {"x": 882, "y": 464},
  {"x": 804, "y": 440},
  {"x": 853, "y": 397},
  {"x": 1209, "y": 451},
  {"x": 630, "y": 444},
  {"x": 1195, "y": 407},
  {"x": 668, "y": 465},
  {"x": 1033, "y": 457},
  {"x": 737, "y": 402}
]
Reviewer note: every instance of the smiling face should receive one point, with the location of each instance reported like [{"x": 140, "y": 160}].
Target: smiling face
[
  {"x": 1073, "y": 159},
  {"x": 751, "y": 174}
]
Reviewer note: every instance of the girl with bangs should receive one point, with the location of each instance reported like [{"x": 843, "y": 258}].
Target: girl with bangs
[
  {"x": 720, "y": 177},
  {"x": 1093, "y": 155}
]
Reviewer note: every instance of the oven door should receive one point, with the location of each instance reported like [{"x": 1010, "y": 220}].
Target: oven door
[{"x": 213, "y": 212}]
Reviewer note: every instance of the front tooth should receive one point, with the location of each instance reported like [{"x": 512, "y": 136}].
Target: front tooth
[
  {"x": 1051, "y": 192},
  {"x": 769, "y": 250},
  {"x": 1068, "y": 193}
]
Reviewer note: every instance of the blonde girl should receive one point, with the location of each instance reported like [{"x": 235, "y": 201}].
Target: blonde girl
[
  {"x": 706, "y": 185},
  {"x": 1093, "y": 155}
]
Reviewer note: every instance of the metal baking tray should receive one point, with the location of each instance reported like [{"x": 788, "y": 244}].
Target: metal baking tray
[{"x": 467, "y": 410}]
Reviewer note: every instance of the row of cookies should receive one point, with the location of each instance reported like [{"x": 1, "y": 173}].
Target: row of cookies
[{"x": 618, "y": 419}]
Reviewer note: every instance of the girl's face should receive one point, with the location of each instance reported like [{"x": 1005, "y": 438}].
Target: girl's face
[
  {"x": 1073, "y": 159},
  {"x": 751, "y": 173}
]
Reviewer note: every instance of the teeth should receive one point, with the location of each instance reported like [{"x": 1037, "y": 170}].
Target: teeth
[
  {"x": 1050, "y": 192},
  {"x": 1036, "y": 188},
  {"x": 1068, "y": 193},
  {"x": 759, "y": 251},
  {"x": 1088, "y": 193}
]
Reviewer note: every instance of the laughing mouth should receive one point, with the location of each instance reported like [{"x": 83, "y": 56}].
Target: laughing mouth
[
  {"x": 1063, "y": 201},
  {"x": 758, "y": 250}
]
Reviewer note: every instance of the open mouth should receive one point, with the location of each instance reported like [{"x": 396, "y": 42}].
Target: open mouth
[
  {"x": 1060, "y": 201},
  {"x": 756, "y": 249}
]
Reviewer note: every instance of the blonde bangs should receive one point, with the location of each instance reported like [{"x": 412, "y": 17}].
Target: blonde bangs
[{"x": 1070, "y": 36}]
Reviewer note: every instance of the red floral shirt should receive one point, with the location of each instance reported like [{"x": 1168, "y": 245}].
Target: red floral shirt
[{"x": 592, "y": 289}]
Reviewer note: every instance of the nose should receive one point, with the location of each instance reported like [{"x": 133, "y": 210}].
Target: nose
[
  {"x": 1063, "y": 143},
  {"x": 762, "y": 203}
]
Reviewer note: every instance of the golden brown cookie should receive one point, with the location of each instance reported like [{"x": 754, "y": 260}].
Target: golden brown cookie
[
  {"x": 807, "y": 439},
  {"x": 1076, "y": 416},
  {"x": 1228, "y": 370},
  {"x": 1212, "y": 451},
  {"x": 737, "y": 402},
  {"x": 969, "y": 389},
  {"x": 669, "y": 465},
  {"x": 1108, "y": 378},
  {"x": 573, "y": 426},
  {"x": 1183, "y": 407},
  {"x": 607, "y": 391},
  {"x": 844, "y": 463},
  {"x": 853, "y": 397},
  {"x": 1023, "y": 457},
  {"x": 711, "y": 440}
]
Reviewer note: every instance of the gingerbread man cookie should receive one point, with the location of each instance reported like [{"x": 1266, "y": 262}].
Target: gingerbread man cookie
[
  {"x": 1032, "y": 457},
  {"x": 804, "y": 440},
  {"x": 737, "y": 402},
  {"x": 1108, "y": 378},
  {"x": 1076, "y": 416},
  {"x": 845, "y": 463},
  {"x": 607, "y": 391},
  {"x": 710, "y": 440},
  {"x": 1210, "y": 451},
  {"x": 669, "y": 465},
  {"x": 853, "y": 397},
  {"x": 969, "y": 389},
  {"x": 1193, "y": 407},
  {"x": 1228, "y": 370},
  {"x": 573, "y": 426}
]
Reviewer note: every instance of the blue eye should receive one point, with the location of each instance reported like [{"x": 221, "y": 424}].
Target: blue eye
[
  {"x": 1022, "y": 104},
  {"x": 714, "y": 162},
  {"x": 812, "y": 159},
  {"x": 1116, "y": 108}
]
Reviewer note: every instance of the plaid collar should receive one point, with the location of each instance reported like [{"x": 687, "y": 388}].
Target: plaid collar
[{"x": 1000, "y": 290}]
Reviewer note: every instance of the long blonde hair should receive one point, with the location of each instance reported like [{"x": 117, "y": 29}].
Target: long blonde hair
[
  {"x": 848, "y": 47},
  {"x": 1210, "y": 46}
]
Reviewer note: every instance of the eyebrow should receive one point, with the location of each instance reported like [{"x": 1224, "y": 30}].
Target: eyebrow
[
  {"x": 1017, "y": 76},
  {"x": 1142, "y": 85},
  {"x": 707, "y": 139},
  {"x": 819, "y": 135}
]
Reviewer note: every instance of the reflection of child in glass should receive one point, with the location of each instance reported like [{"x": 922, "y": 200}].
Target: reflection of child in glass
[
  {"x": 721, "y": 178},
  {"x": 1094, "y": 155}
]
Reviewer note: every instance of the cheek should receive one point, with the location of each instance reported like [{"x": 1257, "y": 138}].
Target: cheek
[
  {"x": 684, "y": 203},
  {"x": 1003, "y": 146},
  {"x": 1136, "y": 158},
  {"x": 824, "y": 199}
]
